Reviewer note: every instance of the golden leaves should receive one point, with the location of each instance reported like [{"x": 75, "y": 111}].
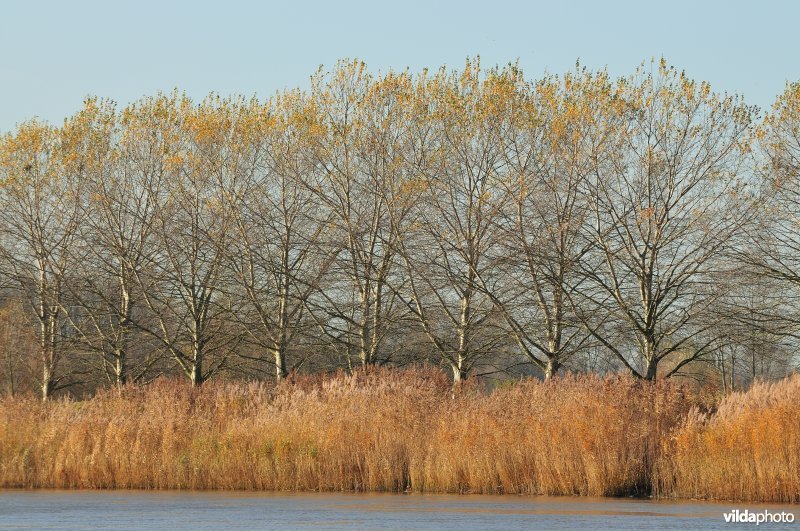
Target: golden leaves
[
  {"x": 348, "y": 106},
  {"x": 24, "y": 155},
  {"x": 646, "y": 214}
]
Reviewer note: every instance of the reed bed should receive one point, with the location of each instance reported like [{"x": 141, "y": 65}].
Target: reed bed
[
  {"x": 748, "y": 449},
  {"x": 410, "y": 431}
]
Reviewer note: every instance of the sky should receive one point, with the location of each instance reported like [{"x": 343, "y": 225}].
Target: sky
[{"x": 55, "y": 53}]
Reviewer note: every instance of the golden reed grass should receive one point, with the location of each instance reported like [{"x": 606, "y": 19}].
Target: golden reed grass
[
  {"x": 748, "y": 449},
  {"x": 382, "y": 431}
]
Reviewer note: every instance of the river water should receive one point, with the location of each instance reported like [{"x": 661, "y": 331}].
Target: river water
[{"x": 48, "y": 509}]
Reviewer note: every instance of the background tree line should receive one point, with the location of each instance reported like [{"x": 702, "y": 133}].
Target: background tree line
[{"x": 473, "y": 218}]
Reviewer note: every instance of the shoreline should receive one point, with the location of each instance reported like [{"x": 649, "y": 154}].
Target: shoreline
[{"x": 455, "y": 495}]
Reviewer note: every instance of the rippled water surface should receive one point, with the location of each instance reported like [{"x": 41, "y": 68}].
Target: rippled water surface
[{"x": 233, "y": 510}]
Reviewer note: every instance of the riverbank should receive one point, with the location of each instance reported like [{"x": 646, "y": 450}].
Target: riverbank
[{"x": 405, "y": 431}]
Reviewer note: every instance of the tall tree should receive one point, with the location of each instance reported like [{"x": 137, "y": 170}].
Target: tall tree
[
  {"x": 665, "y": 205},
  {"x": 449, "y": 249},
  {"x": 192, "y": 231},
  {"x": 42, "y": 170},
  {"x": 118, "y": 246},
  {"x": 552, "y": 145},
  {"x": 359, "y": 156},
  {"x": 775, "y": 244},
  {"x": 772, "y": 250},
  {"x": 276, "y": 257}
]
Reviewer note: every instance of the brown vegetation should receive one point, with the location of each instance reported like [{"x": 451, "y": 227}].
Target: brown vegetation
[
  {"x": 749, "y": 449},
  {"x": 390, "y": 430},
  {"x": 383, "y": 431}
]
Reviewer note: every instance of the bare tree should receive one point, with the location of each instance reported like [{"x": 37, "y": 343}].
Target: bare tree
[
  {"x": 117, "y": 241},
  {"x": 772, "y": 249},
  {"x": 359, "y": 156},
  {"x": 449, "y": 249},
  {"x": 181, "y": 287},
  {"x": 665, "y": 205},
  {"x": 551, "y": 148},
  {"x": 276, "y": 256},
  {"x": 43, "y": 171},
  {"x": 774, "y": 244}
]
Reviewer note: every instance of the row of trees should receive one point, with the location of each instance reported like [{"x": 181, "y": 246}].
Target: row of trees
[{"x": 471, "y": 218}]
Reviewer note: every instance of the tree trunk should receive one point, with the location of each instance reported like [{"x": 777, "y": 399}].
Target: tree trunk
[
  {"x": 280, "y": 363},
  {"x": 652, "y": 367},
  {"x": 366, "y": 333},
  {"x": 120, "y": 368},
  {"x": 121, "y": 354},
  {"x": 724, "y": 374},
  {"x": 551, "y": 369},
  {"x": 459, "y": 374},
  {"x": 47, "y": 347},
  {"x": 197, "y": 362},
  {"x": 196, "y": 375},
  {"x": 198, "y": 348},
  {"x": 47, "y": 383}
]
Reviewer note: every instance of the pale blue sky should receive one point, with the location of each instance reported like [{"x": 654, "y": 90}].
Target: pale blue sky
[{"x": 53, "y": 53}]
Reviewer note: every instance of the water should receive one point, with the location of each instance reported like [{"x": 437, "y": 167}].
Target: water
[{"x": 48, "y": 509}]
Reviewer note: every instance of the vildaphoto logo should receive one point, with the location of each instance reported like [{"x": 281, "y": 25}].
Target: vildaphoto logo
[{"x": 758, "y": 517}]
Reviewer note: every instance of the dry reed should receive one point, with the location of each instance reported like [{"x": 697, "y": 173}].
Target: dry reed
[
  {"x": 747, "y": 450},
  {"x": 395, "y": 431}
]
